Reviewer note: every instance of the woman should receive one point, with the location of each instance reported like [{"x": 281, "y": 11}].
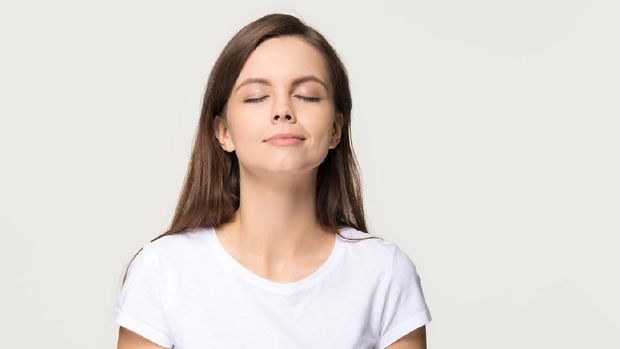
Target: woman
[{"x": 268, "y": 247}]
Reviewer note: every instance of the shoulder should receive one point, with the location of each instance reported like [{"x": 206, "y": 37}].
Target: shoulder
[
  {"x": 396, "y": 259},
  {"x": 370, "y": 247},
  {"x": 182, "y": 244}
]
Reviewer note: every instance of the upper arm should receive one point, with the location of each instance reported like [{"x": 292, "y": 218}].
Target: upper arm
[
  {"x": 140, "y": 307},
  {"x": 404, "y": 311},
  {"x": 413, "y": 340},
  {"x": 128, "y": 339}
]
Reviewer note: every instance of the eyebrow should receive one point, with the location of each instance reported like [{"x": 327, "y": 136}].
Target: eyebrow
[{"x": 299, "y": 80}]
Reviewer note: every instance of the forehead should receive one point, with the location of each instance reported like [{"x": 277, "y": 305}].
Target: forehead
[{"x": 284, "y": 59}]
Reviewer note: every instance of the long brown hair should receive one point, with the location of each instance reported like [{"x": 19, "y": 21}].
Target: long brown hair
[{"x": 210, "y": 194}]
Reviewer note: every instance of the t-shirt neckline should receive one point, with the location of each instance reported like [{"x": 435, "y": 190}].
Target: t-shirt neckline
[{"x": 274, "y": 286}]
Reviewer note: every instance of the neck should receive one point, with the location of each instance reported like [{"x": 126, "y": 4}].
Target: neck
[{"x": 276, "y": 221}]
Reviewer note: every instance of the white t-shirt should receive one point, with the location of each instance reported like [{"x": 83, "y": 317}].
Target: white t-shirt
[{"x": 186, "y": 291}]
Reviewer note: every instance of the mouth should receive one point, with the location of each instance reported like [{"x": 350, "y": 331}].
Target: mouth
[
  {"x": 284, "y": 141},
  {"x": 284, "y": 136}
]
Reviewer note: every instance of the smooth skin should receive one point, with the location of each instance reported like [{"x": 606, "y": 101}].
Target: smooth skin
[
  {"x": 128, "y": 339},
  {"x": 413, "y": 340},
  {"x": 275, "y": 232}
]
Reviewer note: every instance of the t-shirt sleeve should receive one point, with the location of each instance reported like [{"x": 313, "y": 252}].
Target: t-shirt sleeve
[
  {"x": 405, "y": 308},
  {"x": 140, "y": 307}
]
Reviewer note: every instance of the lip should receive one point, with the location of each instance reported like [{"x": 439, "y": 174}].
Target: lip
[
  {"x": 284, "y": 141},
  {"x": 285, "y": 136}
]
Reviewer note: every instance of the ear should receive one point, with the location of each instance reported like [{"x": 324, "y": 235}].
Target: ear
[
  {"x": 336, "y": 131},
  {"x": 222, "y": 133}
]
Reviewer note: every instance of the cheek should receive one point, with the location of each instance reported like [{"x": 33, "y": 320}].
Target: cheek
[
  {"x": 321, "y": 131},
  {"x": 244, "y": 127},
  {"x": 245, "y": 132}
]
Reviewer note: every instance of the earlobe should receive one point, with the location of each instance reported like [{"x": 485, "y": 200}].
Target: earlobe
[
  {"x": 336, "y": 131},
  {"x": 221, "y": 128}
]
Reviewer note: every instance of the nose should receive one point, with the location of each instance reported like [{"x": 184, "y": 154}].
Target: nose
[
  {"x": 283, "y": 111},
  {"x": 287, "y": 116}
]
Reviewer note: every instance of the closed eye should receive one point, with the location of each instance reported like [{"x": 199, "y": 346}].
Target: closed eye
[
  {"x": 304, "y": 98},
  {"x": 255, "y": 100},
  {"x": 310, "y": 99}
]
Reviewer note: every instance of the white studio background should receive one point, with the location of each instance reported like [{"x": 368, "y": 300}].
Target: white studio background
[{"x": 487, "y": 133}]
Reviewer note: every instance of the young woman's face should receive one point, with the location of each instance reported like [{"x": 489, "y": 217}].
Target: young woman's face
[{"x": 276, "y": 103}]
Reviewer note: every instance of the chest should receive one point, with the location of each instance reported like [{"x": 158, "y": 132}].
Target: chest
[{"x": 234, "y": 315}]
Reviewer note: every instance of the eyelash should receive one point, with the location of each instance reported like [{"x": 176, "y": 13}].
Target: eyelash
[{"x": 307, "y": 99}]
